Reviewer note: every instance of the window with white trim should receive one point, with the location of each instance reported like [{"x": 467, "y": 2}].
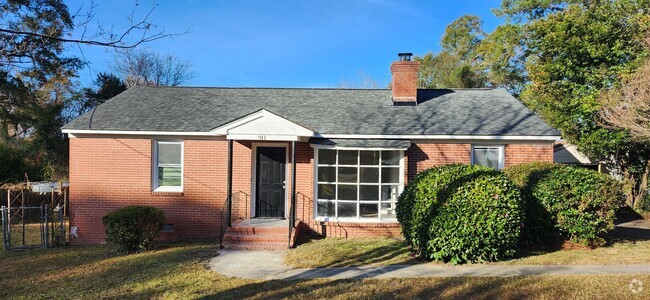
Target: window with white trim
[
  {"x": 168, "y": 166},
  {"x": 489, "y": 156},
  {"x": 358, "y": 184}
]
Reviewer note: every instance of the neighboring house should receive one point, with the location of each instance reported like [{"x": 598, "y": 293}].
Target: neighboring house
[
  {"x": 568, "y": 154},
  {"x": 185, "y": 149}
]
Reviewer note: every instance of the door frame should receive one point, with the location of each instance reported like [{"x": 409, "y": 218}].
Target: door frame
[{"x": 254, "y": 175}]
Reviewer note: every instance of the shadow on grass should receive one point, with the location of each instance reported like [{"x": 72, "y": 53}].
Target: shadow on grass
[
  {"x": 376, "y": 255},
  {"x": 366, "y": 289},
  {"x": 328, "y": 253},
  {"x": 78, "y": 271}
]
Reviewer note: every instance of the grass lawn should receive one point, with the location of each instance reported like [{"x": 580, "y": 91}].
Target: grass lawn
[
  {"x": 335, "y": 252},
  {"x": 385, "y": 251},
  {"x": 177, "y": 271}
]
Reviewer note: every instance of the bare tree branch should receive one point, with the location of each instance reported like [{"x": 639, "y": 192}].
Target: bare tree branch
[
  {"x": 628, "y": 106},
  {"x": 112, "y": 40},
  {"x": 145, "y": 67}
]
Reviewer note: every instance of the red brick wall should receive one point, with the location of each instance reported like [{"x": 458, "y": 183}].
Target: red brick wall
[
  {"x": 425, "y": 156},
  {"x": 523, "y": 153},
  {"x": 108, "y": 173}
]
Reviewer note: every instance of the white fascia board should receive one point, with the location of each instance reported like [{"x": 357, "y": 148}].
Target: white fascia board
[
  {"x": 73, "y": 132},
  {"x": 443, "y": 137},
  {"x": 262, "y": 137}
]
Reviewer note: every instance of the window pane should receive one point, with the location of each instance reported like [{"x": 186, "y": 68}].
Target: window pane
[
  {"x": 169, "y": 176},
  {"x": 369, "y": 192},
  {"x": 326, "y": 157},
  {"x": 347, "y": 192},
  {"x": 369, "y": 175},
  {"x": 327, "y": 174},
  {"x": 347, "y": 174},
  {"x": 390, "y": 158},
  {"x": 369, "y": 157},
  {"x": 347, "y": 210},
  {"x": 325, "y": 209},
  {"x": 326, "y": 191},
  {"x": 390, "y": 175},
  {"x": 389, "y": 193},
  {"x": 348, "y": 157},
  {"x": 488, "y": 157},
  {"x": 388, "y": 210},
  {"x": 367, "y": 210},
  {"x": 169, "y": 154}
]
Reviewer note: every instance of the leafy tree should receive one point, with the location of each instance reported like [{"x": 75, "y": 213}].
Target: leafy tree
[
  {"x": 470, "y": 58},
  {"x": 462, "y": 37},
  {"x": 501, "y": 57},
  {"x": 445, "y": 70},
  {"x": 107, "y": 86},
  {"x": 573, "y": 51},
  {"x": 455, "y": 66}
]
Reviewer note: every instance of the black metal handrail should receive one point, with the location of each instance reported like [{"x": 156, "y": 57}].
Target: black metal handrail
[{"x": 246, "y": 202}]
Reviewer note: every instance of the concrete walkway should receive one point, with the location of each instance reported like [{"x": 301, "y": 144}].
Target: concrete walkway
[
  {"x": 269, "y": 265},
  {"x": 636, "y": 228}
]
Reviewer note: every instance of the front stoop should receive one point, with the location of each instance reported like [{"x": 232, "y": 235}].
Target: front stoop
[{"x": 257, "y": 234}]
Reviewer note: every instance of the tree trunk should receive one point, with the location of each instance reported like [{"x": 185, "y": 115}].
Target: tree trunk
[{"x": 635, "y": 187}]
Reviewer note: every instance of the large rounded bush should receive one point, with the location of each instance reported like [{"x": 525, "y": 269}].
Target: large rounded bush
[
  {"x": 564, "y": 200},
  {"x": 133, "y": 228},
  {"x": 461, "y": 213}
]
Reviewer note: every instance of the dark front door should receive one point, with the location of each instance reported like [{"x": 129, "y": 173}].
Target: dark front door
[{"x": 269, "y": 202}]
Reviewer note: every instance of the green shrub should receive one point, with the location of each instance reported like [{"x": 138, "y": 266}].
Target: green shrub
[
  {"x": 563, "y": 200},
  {"x": 133, "y": 228},
  {"x": 540, "y": 226},
  {"x": 461, "y": 213}
]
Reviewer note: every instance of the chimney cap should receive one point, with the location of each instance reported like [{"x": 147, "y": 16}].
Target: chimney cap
[{"x": 404, "y": 56}]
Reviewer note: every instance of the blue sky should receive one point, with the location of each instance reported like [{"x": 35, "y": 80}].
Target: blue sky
[{"x": 287, "y": 43}]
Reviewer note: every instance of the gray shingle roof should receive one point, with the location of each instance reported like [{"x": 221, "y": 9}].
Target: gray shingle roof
[{"x": 324, "y": 111}]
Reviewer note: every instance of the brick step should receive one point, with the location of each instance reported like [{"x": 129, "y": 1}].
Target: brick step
[
  {"x": 259, "y": 230},
  {"x": 254, "y": 245},
  {"x": 238, "y": 237}
]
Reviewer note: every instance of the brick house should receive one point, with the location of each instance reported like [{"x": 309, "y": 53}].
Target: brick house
[{"x": 263, "y": 166}]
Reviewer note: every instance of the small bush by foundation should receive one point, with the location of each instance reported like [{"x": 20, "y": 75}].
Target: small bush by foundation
[{"x": 133, "y": 228}]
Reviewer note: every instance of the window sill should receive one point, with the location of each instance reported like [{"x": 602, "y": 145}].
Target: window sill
[{"x": 167, "y": 193}]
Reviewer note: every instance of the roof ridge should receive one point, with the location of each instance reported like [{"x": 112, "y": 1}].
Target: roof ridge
[
  {"x": 305, "y": 88},
  {"x": 459, "y": 89},
  {"x": 258, "y": 88}
]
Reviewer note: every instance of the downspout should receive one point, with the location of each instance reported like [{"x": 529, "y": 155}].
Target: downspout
[
  {"x": 229, "y": 192},
  {"x": 292, "y": 211}
]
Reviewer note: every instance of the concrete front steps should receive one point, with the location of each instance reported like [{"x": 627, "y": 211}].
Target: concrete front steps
[{"x": 257, "y": 234}]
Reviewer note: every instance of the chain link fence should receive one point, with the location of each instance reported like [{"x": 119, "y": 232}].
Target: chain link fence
[
  {"x": 33, "y": 219},
  {"x": 33, "y": 227}
]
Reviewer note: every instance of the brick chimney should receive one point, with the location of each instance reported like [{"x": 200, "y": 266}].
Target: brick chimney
[{"x": 405, "y": 80}]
